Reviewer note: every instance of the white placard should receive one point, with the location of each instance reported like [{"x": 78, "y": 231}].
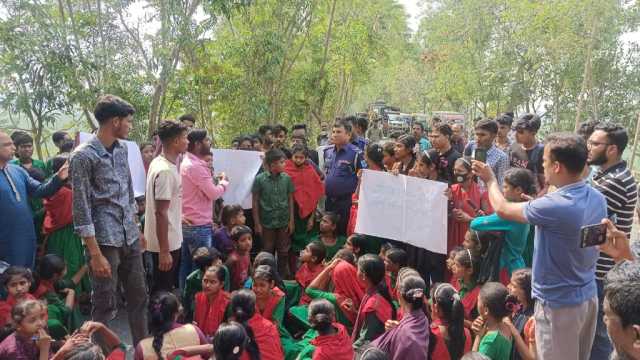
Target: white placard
[
  {"x": 136, "y": 166},
  {"x": 403, "y": 208},
  {"x": 241, "y": 167}
]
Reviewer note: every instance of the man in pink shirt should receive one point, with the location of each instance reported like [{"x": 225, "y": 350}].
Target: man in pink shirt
[{"x": 198, "y": 194}]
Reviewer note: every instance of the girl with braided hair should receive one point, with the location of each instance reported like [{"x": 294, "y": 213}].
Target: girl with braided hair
[
  {"x": 408, "y": 340},
  {"x": 449, "y": 339},
  {"x": 376, "y": 306},
  {"x": 167, "y": 335},
  {"x": 264, "y": 339},
  {"x": 332, "y": 341}
]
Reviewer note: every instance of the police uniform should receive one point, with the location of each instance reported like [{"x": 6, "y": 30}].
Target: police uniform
[
  {"x": 341, "y": 169},
  {"x": 360, "y": 142}
]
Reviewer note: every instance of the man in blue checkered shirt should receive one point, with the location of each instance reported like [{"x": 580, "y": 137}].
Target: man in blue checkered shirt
[{"x": 486, "y": 131}]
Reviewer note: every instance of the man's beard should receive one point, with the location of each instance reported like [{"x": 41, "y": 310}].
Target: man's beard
[{"x": 598, "y": 159}]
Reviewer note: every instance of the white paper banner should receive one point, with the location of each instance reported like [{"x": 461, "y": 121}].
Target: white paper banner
[
  {"x": 403, "y": 208},
  {"x": 136, "y": 166},
  {"x": 241, "y": 167}
]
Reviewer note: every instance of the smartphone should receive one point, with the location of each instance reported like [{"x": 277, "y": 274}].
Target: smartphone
[
  {"x": 480, "y": 155},
  {"x": 592, "y": 235}
]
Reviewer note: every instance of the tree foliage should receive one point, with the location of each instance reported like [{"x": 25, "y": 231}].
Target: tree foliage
[
  {"x": 237, "y": 64},
  {"x": 561, "y": 59}
]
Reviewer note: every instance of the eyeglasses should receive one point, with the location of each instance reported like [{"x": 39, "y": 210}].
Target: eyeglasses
[{"x": 596, "y": 143}]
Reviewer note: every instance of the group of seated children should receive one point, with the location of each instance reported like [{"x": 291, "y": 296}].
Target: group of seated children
[
  {"x": 349, "y": 296},
  {"x": 336, "y": 308}
]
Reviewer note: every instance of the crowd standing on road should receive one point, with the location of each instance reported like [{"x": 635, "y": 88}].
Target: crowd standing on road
[{"x": 290, "y": 278}]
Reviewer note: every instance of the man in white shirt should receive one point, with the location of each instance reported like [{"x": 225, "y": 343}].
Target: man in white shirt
[{"x": 163, "y": 225}]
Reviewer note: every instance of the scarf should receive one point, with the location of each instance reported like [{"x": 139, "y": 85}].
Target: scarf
[
  {"x": 267, "y": 337},
  {"x": 208, "y": 315},
  {"x": 333, "y": 347},
  {"x": 407, "y": 341},
  {"x": 308, "y": 187},
  {"x": 304, "y": 277},
  {"x": 272, "y": 303},
  {"x": 371, "y": 303},
  {"x": 440, "y": 350},
  {"x": 468, "y": 297},
  {"x": 58, "y": 210},
  {"x": 347, "y": 286},
  {"x": 7, "y": 305},
  {"x": 45, "y": 287}
]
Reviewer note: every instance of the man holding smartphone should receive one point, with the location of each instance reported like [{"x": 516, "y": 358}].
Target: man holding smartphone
[
  {"x": 484, "y": 148},
  {"x": 563, "y": 272},
  {"x": 615, "y": 181}
]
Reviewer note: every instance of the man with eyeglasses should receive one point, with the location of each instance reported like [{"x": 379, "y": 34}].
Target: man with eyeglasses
[
  {"x": 615, "y": 181},
  {"x": 527, "y": 152}
]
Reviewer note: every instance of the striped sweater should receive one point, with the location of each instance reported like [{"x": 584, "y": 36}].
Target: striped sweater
[{"x": 621, "y": 192}]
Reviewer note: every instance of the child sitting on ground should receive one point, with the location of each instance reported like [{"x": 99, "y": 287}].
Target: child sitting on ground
[
  {"x": 487, "y": 245},
  {"x": 17, "y": 281},
  {"x": 264, "y": 338},
  {"x": 362, "y": 244},
  {"x": 395, "y": 260},
  {"x": 211, "y": 303},
  {"x": 376, "y": 306},
  {"x": 522, "y": 321},
  {"x": 332, "y": 341},
  {"x": 493, "y": 336},
  {"x": 232, "y": 215},
  {"x": 167, "y": 335},
  {"x": 64, "y": 317},
  {"x": 29, "y": 339},
  {"x": 450, "y": 261},
  {"x": 328, "y": 236},
  {"x": 312, "y": 258},
  {"x": 449, "y": 338},
  {"x": 80, "y": 346},
  {"x": 270, "y": 300},
  {"x": 465, "y": 270},
  {"x": 338, "y": 282},
  {"x": 202, "y": 258},
  {"x": 384, "y": 247},
  {"x": 239, "y": 259}
]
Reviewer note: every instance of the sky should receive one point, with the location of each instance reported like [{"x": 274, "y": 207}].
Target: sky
[{"x": 414, "y": 12}]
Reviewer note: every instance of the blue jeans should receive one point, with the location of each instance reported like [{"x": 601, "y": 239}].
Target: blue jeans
[
  {"x": 601, "y": 348},
  {"x": 193, "y": 237}
]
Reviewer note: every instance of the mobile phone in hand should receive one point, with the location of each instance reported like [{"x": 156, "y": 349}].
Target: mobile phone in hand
[
  {"x": 592, "y": 235},
  {"x": 480, "y": 155}
]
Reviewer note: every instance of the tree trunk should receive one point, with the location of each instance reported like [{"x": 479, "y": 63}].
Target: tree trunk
[
  {"x": 586, "y": 77},
  {"x": 155, "y": 108},
  {"x": 37, "y": 138},
  {"x": 327, "y": 42},
  {"x": 91, "y": 120},
  {"x": 168, "y": 66},
  {"x": 635, "y": 144}
]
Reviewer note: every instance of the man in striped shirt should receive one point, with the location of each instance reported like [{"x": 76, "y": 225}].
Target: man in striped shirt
[{"x": 615, "y": 181}]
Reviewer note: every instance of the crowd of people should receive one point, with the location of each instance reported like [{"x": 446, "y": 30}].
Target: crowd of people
[{"x": 290, "y": 278}]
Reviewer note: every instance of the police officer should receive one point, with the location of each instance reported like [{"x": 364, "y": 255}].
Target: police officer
[{"x": 342, "y": 161}]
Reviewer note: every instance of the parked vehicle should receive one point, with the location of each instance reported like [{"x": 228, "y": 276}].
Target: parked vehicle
[
  {"x": 449, "y": 116},
  {"x": 422, "y": 119},
  {"x": 398, "y": 122}
]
